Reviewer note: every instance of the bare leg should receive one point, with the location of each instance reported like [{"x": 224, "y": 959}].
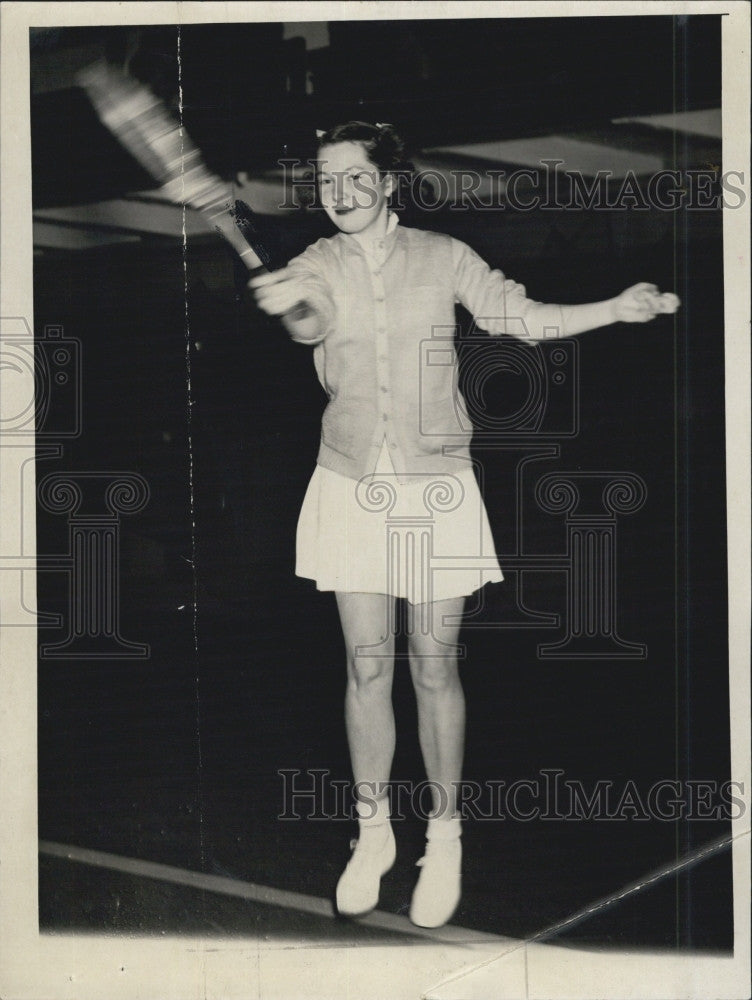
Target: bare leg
[
  {"x": 369, "y": 716},
  {"x": 440, "y": 699},
  {"x": 441, "y": 727}
]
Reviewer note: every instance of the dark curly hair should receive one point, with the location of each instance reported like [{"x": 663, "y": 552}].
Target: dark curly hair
[{"x": 384, "y": 147}]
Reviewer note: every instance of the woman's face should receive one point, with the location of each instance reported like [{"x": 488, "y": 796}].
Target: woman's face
[{"x": 352, "y": 191}]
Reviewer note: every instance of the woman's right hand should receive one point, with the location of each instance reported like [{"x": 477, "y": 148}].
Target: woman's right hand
[
  {"x": 277, "y": 292},
  {"x": 282, "y": 294}
]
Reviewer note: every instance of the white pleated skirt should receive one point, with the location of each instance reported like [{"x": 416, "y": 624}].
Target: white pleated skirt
[{"x": 424, "y": 540}]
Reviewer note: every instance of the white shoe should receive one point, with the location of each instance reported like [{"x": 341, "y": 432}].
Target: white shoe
[
  {"x": 439, "y": 887},
  {"x": 358, "y": 887}
]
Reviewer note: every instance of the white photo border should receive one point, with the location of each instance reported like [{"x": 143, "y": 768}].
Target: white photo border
[{"x": 86, "y": 966}]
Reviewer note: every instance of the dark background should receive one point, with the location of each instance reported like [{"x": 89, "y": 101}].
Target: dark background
[{"x": 175, "y": 758}]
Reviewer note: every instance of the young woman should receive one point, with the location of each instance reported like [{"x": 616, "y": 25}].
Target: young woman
[{"x": 395, "y": 452}]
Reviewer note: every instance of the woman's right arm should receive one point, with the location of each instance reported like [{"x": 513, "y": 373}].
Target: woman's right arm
[{"x": 301, "y": 300}]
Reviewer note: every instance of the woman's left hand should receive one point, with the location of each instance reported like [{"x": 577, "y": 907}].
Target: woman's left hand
[{"x": 643, "y": 302}]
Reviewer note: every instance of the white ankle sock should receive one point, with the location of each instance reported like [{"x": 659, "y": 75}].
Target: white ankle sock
[
  {"x": 373, "y": 822},
  {"x": 373, "y": 812},
  {"x": 444, "y": 829}
]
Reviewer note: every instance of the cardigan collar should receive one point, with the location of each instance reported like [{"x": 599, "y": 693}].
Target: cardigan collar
[{"x": 379, "y": 249}]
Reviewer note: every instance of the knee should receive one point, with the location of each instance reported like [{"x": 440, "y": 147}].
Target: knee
[
  {"x": 366, "y": 672},
  {"x": 434, "y": 674}
]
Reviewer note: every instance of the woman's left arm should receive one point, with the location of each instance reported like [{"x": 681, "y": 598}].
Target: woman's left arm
[
  {"x": 500, "y": 305},
  {"x": 637, "y": 304}
]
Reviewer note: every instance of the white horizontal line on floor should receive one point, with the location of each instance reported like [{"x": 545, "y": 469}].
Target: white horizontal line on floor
[{"x": 264, "y": 894}]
